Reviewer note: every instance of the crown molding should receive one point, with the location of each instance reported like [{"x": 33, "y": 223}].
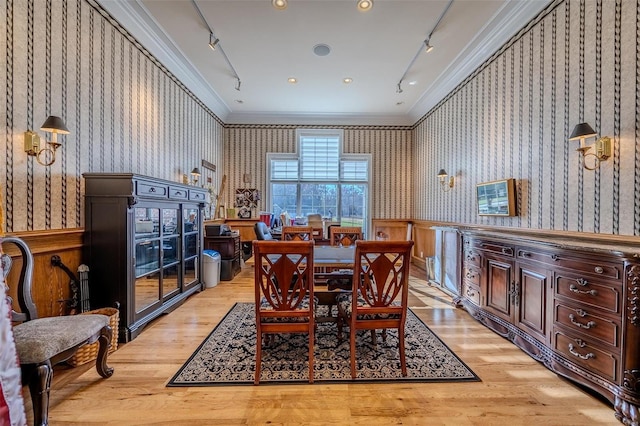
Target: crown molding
[
  {"x": 135, "y": 18},
  {"x": 510, "y": 19},
  {"x": 318, "y": 119}
]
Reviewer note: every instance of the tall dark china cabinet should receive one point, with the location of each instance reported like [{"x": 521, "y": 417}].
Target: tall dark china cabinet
[{"x": 143, "y": 245}]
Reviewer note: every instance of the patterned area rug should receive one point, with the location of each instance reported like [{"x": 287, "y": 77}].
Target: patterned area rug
[{"x": 227, "y": 356}]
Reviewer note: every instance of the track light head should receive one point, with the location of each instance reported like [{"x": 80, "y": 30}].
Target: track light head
[
  {"x": 213, "y": 42},
  {"x": 427, "y": 46}
]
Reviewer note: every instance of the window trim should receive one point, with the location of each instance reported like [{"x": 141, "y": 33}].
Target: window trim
[{"x": 342, "y": 156}]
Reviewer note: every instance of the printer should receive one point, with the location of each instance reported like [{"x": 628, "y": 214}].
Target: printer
[{"x": 221, "y": 230}]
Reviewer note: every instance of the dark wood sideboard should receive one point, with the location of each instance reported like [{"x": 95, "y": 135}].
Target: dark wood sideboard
[
  {"x": 571, "y": 302},
  {"x": 143, "y": 244}
]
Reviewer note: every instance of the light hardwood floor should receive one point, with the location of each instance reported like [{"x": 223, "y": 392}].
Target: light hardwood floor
[{"x": 515, "y": 389}]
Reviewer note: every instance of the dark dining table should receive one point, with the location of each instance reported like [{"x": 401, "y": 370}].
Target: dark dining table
[{"x": 333, "y": 273}]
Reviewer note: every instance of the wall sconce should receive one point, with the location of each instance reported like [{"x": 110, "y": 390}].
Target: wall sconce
[
  {"x": 32, "y": 146},
  {"x": 602, "y": 145},
  {"x": 446, "y": 184},
  {"x": 195, "y": 175}
]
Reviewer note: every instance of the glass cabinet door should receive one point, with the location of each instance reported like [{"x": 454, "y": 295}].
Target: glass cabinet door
[
  {"x": 147, "y": 257},
  {"x": 191, "y": 237},
  {"x": 171, "y": 253}
]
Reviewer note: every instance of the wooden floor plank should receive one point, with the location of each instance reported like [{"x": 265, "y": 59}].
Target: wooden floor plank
[{"x": 515, "y": 389}]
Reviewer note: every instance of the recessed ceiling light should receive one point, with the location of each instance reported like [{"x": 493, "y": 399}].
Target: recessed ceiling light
[
  {"x": 365, "y": 5},
  {"x": 347, "y": 80},
  {"x": 413, "y": 83},
  {"x": 239, "y": 101},
  {"x": 292, "y": 80},
  {"x": 279, "y": 4}
]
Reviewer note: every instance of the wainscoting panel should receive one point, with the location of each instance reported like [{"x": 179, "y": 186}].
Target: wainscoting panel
[
  {"x": 512, "y": 117},
  {"x": 125, "y": 111}
]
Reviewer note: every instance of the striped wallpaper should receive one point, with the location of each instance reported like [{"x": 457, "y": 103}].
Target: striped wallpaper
[
  {"x": 577, "y": 61},
  {"x": 246, "y": 146},
  {"x": 512, "y": 117},
  {"x": 126, "y": 111}
]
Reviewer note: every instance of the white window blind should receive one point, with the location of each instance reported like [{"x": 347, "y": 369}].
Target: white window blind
[
  {"x": 284, "y": 169},
  {"x": 354, "y": 170},
  {"x": 319, "y": 158}
]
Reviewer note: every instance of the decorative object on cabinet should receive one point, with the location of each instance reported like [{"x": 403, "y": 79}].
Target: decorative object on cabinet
[
  {"x": 496, "y": 198},
  {"x": 445, "y": 184},
  {"x": 143, "y": 242},
  {"x": 568, "y": 301},
  {"x": 195, "y": 176},
  {"x": 602, "y": 146},
  {"x": 32, "y": 146},
  {"x": 42, "y": 343}
]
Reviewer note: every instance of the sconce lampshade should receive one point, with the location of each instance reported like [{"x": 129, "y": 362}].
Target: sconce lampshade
[
  {"x": 54, "y": 124},
  {"x": 442, "y": 173},
  {"x": 195, "y": 171},
  {"x": 582, "y": 130}
]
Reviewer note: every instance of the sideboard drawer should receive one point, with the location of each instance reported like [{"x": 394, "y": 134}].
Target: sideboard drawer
[
  {"x": 471, "y": 292},
  {"x": 587, "y": 266},
  {"x": 593, "y": 326},
  {"x": 585, "y": 354},
  {"x": 495, "y": 247},
  {"x": 178, "y": 193},
  {"x": 592, "y": 292},
  {"x": 151, "y": 190},
  {"x": 472, "y": 274},
  {"x": 196, "y": 196}
]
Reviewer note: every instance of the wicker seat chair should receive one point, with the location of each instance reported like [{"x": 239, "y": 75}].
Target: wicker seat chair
[
  {"x": 380, "y": 292},
  {"x": 283, "y": 293},
  {"x": 42, "y": 343}
]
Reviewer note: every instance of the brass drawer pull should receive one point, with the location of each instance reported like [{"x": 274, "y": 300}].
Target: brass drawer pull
[
  {"x": 576, "y": 354},
  {"x": 575, "y": 289},
  {"x": 599, "y": 269},
  {"x": 586, "y": 326}
]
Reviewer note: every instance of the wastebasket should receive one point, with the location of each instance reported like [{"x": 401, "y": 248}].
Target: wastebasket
[{"x": 211, "y": 268}]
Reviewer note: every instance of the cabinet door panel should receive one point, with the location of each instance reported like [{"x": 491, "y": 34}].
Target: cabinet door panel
[
  {"x": 499, "y": 286},
  {"x": 532, "y": 308}
]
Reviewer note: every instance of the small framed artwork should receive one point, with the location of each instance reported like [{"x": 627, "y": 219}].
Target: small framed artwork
[{"x": 496, "y": 198}]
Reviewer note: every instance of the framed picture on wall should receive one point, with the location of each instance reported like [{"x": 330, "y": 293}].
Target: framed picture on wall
[{"x": 496, "y": 198}]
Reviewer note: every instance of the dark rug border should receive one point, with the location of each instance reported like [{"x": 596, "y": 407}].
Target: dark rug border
[{"x": 170, "y": 383}]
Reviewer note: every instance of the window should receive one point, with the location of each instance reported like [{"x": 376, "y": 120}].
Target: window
[{"x": 320, "y": 179}]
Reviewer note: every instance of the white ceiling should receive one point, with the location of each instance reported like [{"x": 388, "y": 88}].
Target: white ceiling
[{"x": 266, "y": 46}]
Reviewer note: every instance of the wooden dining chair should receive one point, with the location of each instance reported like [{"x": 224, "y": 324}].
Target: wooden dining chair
[
  {"x": 344, "y": 235},
  {"x": 379, "y": 296},
  {"x": 297, "y": 233},
  {"x": 283, "y": 293},
  {"x": 42, "y": 343}
]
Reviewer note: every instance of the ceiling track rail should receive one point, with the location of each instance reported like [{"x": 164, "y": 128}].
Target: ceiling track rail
[
  {"x": 426, "y": 45},
  {"x": 218, "y": 46}
]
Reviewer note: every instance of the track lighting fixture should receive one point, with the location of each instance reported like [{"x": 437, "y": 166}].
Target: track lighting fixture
[
  {"x": 213, "y": 42},
  {"x": 427, "y": 46},
  {"x": 365, "y": 5},
  {"x": 279, "y": 4}
]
